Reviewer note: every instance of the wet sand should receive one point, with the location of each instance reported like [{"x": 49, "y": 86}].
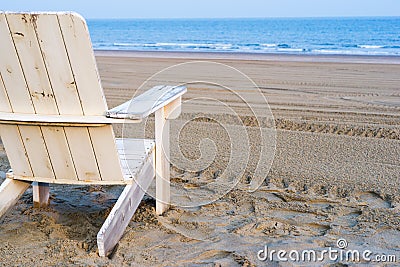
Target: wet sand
[{"x": 335, "y": 173}]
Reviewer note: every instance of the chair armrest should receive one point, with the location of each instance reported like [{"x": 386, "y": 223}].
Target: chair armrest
[{"x": 147, "y": 103}]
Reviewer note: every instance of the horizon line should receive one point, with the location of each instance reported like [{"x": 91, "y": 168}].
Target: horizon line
[{"x": 271, "y": 17}]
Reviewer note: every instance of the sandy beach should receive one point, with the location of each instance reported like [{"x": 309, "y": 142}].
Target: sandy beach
[{"x": 335, "y": 173}]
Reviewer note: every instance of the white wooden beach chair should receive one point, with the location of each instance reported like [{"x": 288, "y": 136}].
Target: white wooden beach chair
[{"x": 56, "y": 127}]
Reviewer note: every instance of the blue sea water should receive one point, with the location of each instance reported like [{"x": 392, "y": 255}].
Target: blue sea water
[{"x": 355, "y": 36}]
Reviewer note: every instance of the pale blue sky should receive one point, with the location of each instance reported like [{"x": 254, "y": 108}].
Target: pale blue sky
[{"x": 210, "y": 8}]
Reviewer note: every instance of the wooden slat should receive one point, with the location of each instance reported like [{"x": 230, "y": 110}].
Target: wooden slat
[
  {"x": 57, "y": 63},
  {"x": 81, "y": 57},
  {"x": 148, "y": 102},
  {"x": 10, "y": 192},
  {"x": 37, "y": 151},
  {"x": 121, "y": 214},
  {"x": 131, "y": 166},
  {"x": 131, "y": 145},
  {"x": 136, "y": 156},
  {"x": 11, "y": 72},
  {"x": 60, "y": 154},
  {"x": 82, "y": 153},
  {"x": 15, "y": 150},
  {"x": 123, "y": 153},
  {"x": 103, "y": 141}
]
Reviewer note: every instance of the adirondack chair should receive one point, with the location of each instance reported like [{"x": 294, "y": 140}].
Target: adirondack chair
[{"x": 56, "y": 127}]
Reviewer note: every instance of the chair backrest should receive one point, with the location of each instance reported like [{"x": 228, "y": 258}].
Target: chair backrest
[{"x": 47, "y": 66}]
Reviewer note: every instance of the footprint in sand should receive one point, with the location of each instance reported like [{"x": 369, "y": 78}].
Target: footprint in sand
[
  {"x": 372, "y": 200},
  {"x": 346, "y": 218},
  {"x": 305, "y": 223},
  {"x": 269, "y": 196}
]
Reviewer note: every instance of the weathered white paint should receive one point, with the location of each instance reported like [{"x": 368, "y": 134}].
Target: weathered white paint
[
  {"x": 52, "y": 121},
  {"x": 148, "y": 102},
  {"x": 10, "y": 192},
  {"x": 122, "y": 212},
  {"x": 162, "y": 161}
]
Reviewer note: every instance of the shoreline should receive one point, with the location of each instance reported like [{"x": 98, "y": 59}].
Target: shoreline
[{"x": 360, "y": 59}]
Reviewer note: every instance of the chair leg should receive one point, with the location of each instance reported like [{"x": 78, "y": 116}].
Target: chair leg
[
  {"x": 41, "y": 193},
  {"x": 162, "y": 161},
  {"x": 10, "y": 191},
  {"x": 122, "y": 212}
]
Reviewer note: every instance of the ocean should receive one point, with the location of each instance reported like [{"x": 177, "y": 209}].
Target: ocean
[{"x": 353, "y": 36}]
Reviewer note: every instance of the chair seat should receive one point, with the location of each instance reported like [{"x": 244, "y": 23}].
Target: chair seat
[{"x": 133, "y": 155}]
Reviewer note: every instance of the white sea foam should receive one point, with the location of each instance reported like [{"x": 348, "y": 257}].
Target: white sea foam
[
  {"x": 350, "y": 52},
  {"x": 370, "y": 46},
  {"x": 269, "y": 45},
  {"x": 127, "y": 44},
  {"x": 248, "y": 48},
  {"x": 179, "y": 45},
  {"x": 291, "y": 50}
]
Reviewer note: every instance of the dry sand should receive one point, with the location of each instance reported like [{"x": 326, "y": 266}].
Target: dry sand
[{"x": 335, "y": 173}]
